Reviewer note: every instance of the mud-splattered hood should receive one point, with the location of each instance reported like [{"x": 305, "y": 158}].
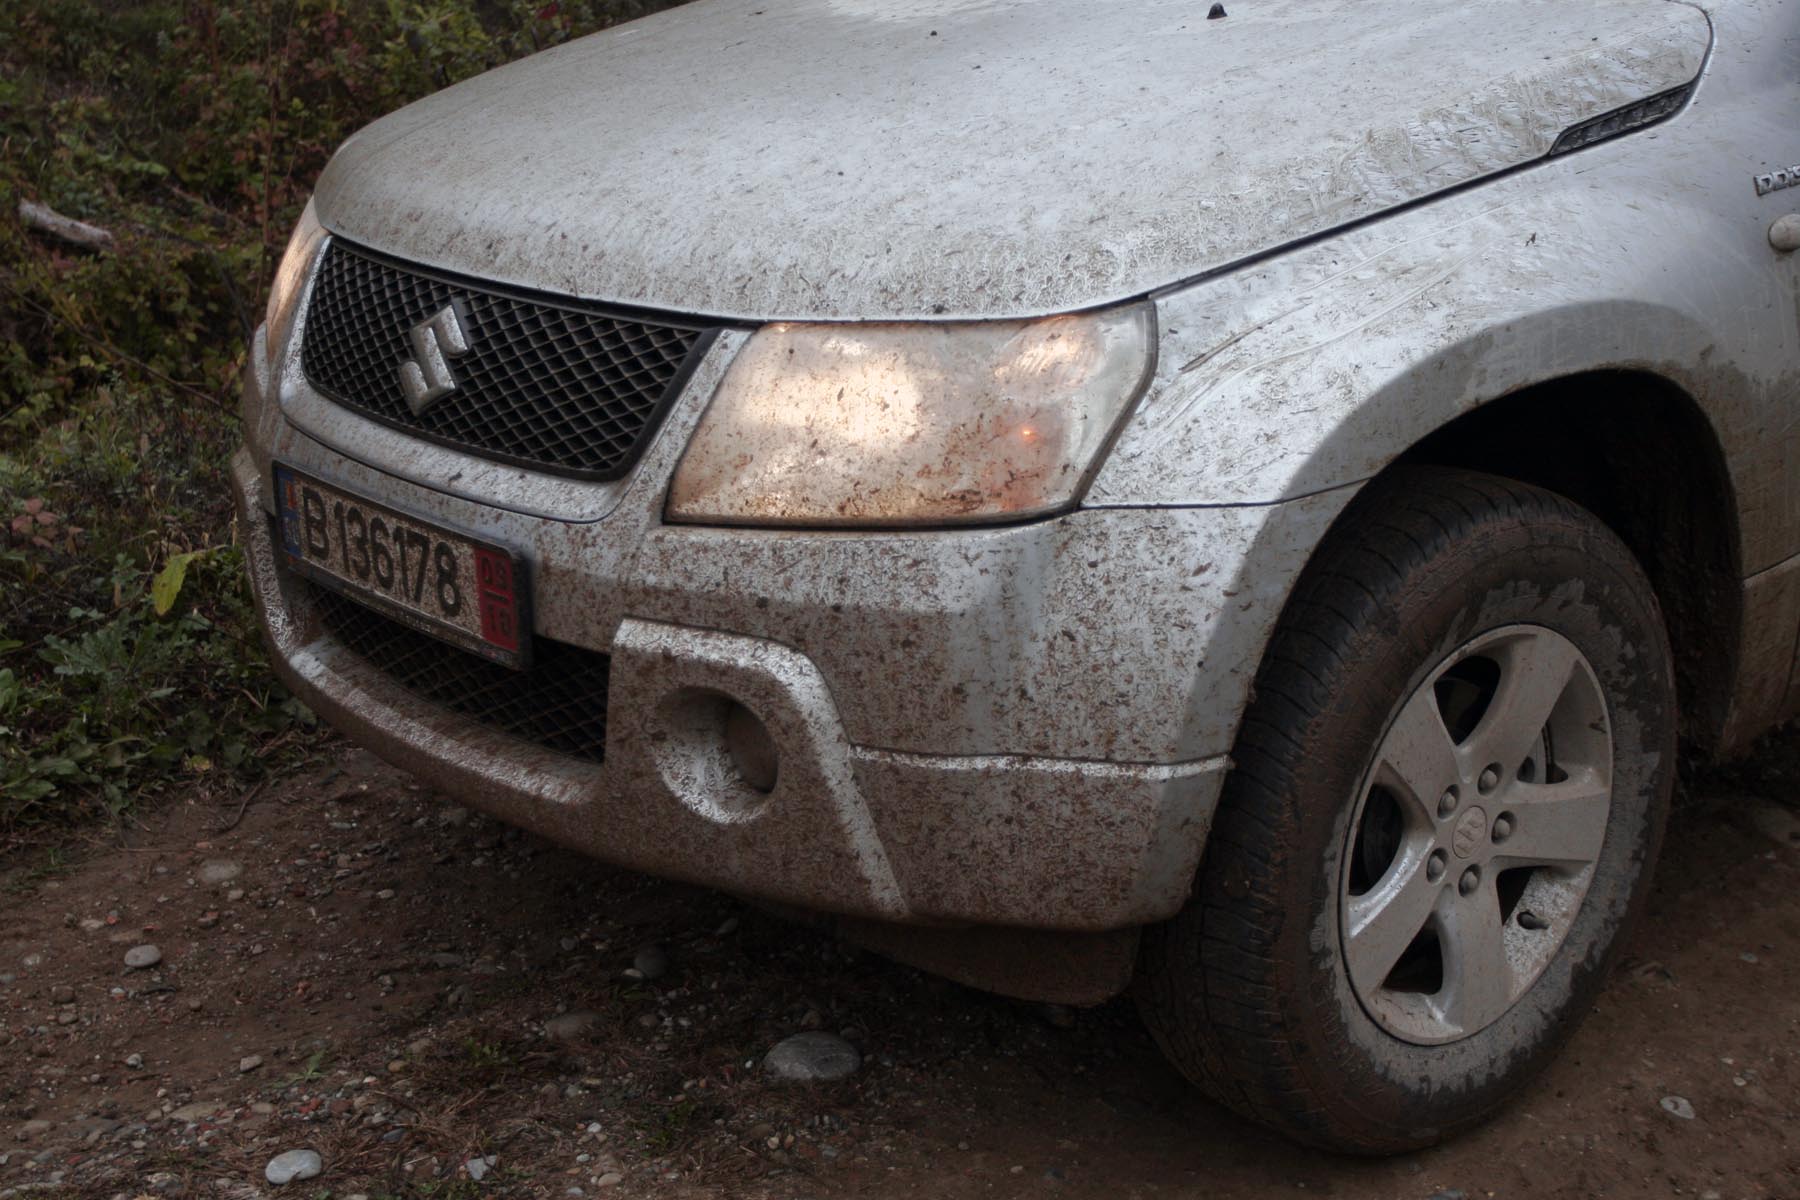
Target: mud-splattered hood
[{"x": 911, "y": 158}]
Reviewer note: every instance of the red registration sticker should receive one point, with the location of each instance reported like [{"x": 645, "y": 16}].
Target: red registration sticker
[{"x": 499, "y": 608}]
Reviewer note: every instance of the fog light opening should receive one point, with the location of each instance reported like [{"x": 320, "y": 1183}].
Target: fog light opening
[{"x": 752, "y": 750}]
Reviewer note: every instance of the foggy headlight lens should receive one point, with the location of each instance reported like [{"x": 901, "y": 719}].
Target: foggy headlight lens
[{"x": 913, "y": 424}]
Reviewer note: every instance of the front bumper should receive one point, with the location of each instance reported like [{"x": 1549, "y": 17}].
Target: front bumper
[
  {"x": 1021, "y": 726},
  {"x": 894, "y": 836}
]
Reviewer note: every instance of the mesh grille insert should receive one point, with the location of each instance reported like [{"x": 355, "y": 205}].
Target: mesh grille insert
[
  {"x": 559, "y": 703},
  {"x": 559, "y": 386}
]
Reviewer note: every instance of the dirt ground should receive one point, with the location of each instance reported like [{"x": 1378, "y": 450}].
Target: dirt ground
[{"x": 359, "y": 969}]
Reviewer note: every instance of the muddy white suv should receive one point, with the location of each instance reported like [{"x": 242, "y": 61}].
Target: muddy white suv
[{"x": 1092, "y": 496}]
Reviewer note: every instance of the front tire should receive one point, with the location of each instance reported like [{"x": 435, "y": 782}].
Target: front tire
[{"x": 1447, "y": 797}]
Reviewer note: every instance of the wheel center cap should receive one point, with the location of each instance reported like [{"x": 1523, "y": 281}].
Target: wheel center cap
[{"x": 1469, "y": 832}]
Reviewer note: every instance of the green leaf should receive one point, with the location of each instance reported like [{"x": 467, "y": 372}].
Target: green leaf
[{"x": 169, "y": 580}]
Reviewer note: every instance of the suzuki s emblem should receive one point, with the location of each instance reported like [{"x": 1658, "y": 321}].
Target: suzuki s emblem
[{"x": 426, "y": 376}]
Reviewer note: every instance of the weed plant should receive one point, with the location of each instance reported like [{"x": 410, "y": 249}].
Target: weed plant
[{"x": 130, "y": 659}]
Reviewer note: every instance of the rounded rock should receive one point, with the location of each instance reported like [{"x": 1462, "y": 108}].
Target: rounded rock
[
  {"x": 215, "y": 871},
  {"x": 293, "y": 1166},
  {"x": 813, "y": 1058},
  {"x": 1678, "y": 1106},
  {"x": 571, "y": 1025},
  {"x": 652, "y": 962},
  {"x": 140, "y": 958}
]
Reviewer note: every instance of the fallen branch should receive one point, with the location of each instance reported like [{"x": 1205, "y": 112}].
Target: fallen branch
[{"x": 68, "y": 229}]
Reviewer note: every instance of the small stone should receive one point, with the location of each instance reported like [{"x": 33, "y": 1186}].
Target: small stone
[
  {"x": 1777, "y": 824},
  {"x": 652, "y": 962},
  {"x": 479, "y": 1167},
  {"x": 1677, "y": 1106},
  {"x": 33, "y": 1129},
  {"x": 234, "y": 895},
  {"x": 140, "y": 958},
  {"x": 610, "y": 1179},
  {"x": 293, "y": 1166},
  {"x": 135, "y": 1061},
  {"x": 249, "y": 1063},
  {"x": 198, "y": 1110},
  {"x": 215, "y": 871},
  {"x": 1449, "y": 1194},
  {"x": 813, "y": 1058},
  {"x": 385, "y": 894},
  {"x": 67, "y": 1017},
  {"x": 571, "y": 1025},
  {"x": 1749, "y": 957},
  {"x": 62, "y": 994}
]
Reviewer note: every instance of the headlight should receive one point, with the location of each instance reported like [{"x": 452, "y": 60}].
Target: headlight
[
  {"x": 284, "y": 292},
  {"x": 913, "y": 424}
]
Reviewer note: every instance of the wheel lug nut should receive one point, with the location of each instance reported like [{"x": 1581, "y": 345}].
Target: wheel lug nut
[
  {"x": 1471, "y": 879},
  {"x": 1447, "y": 803},
  {"x": 1436, "y": 865},
  {"x": 1490, "y": 779},
  {"x": 1503, "y": 827}
]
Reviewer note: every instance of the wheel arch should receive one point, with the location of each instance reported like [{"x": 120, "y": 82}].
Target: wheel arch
[{"x": 1639, "y": 452}]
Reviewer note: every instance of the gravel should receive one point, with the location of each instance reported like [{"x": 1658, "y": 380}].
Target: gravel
[
  {"x": 1678, "y": 1106},
  {"x": 813, "y": 1058}
]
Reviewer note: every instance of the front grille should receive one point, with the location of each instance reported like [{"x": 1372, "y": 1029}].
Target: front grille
[
  {"x": 546, "y": 383},
  {"x": 558, "y": 703}
]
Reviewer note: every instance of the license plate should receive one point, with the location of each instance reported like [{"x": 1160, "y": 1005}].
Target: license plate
[{"x": 466, "y": 591}]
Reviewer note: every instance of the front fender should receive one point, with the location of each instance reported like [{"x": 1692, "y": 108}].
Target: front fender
[{"x": 1317, "y": 367}]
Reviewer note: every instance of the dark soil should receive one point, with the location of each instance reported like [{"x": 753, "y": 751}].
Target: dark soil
[{"x": 392, "y": 960}]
